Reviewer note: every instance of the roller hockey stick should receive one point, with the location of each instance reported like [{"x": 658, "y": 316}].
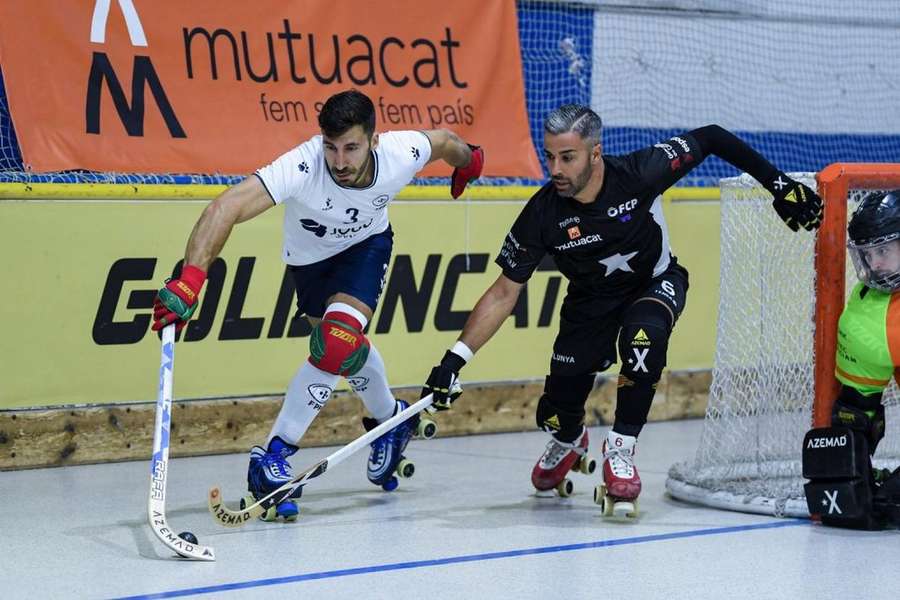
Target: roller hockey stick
[
  {"x": 237, "y": 518},
  {"x": 156, "y": 506}
]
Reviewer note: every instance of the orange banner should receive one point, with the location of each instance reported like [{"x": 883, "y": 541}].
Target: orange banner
[{"x": 224, "y": 87}]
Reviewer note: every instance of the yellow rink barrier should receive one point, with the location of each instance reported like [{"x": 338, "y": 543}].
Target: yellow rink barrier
[{"x": 81, "y": 263}]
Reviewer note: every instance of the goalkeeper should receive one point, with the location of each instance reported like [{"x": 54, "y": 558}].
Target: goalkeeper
[{"x": 844, "y": 489}]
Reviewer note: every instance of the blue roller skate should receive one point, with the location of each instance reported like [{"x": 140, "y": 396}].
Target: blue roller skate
[
  {"x": 268, "y": 471},
  {"x": 386, "y": 461}
]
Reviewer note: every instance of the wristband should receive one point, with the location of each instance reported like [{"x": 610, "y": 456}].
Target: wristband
[
  {"x": 453, "y": 361},
  {"x": 193, "y": 276},
  {"x": 461, "y": 350}
]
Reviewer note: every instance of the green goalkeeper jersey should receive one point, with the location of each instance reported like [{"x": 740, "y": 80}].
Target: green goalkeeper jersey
[{"x": 868, "y": 343}]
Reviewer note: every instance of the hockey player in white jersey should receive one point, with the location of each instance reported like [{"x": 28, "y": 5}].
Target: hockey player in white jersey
[{"x": 335, "y": 189}]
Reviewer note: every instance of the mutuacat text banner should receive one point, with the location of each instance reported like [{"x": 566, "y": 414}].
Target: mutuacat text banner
[{"x": 226, "y": 87}]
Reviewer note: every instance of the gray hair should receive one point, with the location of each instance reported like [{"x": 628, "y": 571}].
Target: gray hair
[{"x": 575, "y": 117}]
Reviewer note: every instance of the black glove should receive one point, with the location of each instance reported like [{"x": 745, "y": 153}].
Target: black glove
[
  {"x": 795, "y": 203},
  {"x": 443, "y": 381}
]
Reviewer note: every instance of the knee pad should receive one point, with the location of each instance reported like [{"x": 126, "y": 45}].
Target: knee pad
[
  {"x": 644, "y": 341},
  {"x": 861, "y": 413},
  {"x": 337, "y": 345},
  {"x": 560, "y": 409},
  {"x": 836, "y": 462}
]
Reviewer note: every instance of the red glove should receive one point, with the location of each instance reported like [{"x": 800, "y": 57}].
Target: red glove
[
  {"x": 177, "y": 301},
  {"x": 463, "y": 175}
]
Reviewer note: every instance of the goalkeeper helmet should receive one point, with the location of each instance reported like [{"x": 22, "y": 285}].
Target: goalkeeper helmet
[{"x": 874, "y": 240}]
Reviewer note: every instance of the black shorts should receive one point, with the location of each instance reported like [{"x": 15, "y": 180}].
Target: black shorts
[{"x": 589, "y": 327}]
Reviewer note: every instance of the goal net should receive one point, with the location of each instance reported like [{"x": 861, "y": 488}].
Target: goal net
[{"x": 781, "y": 294}]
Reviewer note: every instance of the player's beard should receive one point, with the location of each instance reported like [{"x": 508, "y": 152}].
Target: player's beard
[
  {"x": 350, "y": 171},
  {"x": 577, "y": 184}
]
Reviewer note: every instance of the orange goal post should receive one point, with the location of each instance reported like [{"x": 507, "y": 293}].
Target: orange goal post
[{"x": 780, "y": 297}]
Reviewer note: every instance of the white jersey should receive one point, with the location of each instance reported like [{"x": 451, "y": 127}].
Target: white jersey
[{"x": 322, "y": 218}]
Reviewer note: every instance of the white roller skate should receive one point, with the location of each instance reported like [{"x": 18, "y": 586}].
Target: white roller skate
[
  {"x": 618, "y": 494},
  {"x": 557, "y": 460}
]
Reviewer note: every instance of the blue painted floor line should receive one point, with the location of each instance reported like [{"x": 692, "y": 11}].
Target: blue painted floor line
[{"x": 465, "y": 558}]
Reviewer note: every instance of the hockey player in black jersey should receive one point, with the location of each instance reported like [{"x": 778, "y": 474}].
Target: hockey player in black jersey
[{"x": 600, "y": 218}]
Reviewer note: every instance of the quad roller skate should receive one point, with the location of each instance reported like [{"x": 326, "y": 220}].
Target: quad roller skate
[
  {"x": 558, "y": 459},
  {"x": 618, "y": 494},
  {"x": 268, "y": 471},
  {"x": 386, "y": 460}
]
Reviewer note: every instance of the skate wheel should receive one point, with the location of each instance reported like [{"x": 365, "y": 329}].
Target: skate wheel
[
  {"x": 426, "y": 429},
  {"x": 608, "y": 506},
  {"x": 390, "y": 485},
  {"x": 587, "y": 465},
  {"x": 623, "y": 508},
  {"x": 406, "y": 468},
  {"x": 287, "y": 510},
  {"x": 247, "y": 501},
  {"x": 270, "y": 515},
  {"x": 599, "y": 492},
  {"x": 634, "y": 511},
  {"x": 565, "y": 488}
]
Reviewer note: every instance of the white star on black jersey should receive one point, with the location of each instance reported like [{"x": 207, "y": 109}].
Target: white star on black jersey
[{"x": 617, "y": 262}]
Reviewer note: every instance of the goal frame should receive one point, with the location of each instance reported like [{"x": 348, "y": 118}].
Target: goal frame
[
  {"x": 834, "y": 184},
  {"x": 767, "y": 479}
]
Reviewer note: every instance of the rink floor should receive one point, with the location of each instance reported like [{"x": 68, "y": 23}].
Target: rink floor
[{"x": 468, "y": 525}]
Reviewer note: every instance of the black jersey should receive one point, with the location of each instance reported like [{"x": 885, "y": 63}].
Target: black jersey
[{"x": 614, "y": 245}]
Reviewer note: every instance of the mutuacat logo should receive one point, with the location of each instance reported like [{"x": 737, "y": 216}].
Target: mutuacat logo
[
  {"x": 143, "y": 75},
  {"x": 320, "y": 57},
  {"x": 579, "y": 241}
]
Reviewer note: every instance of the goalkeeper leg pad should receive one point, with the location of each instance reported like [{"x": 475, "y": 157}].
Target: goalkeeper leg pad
[{"x": 836, "y": 461}]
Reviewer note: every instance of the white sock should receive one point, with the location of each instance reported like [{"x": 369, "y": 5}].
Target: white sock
[
  {"x": 307, "y": 393},
  {"x": 372, "y": 386},
  {"x": 620, "y": 440},
  {"x": 349, "y": 310}
]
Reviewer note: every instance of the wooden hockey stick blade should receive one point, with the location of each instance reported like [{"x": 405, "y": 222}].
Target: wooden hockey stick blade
[{"x": 237, "y": 518}]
